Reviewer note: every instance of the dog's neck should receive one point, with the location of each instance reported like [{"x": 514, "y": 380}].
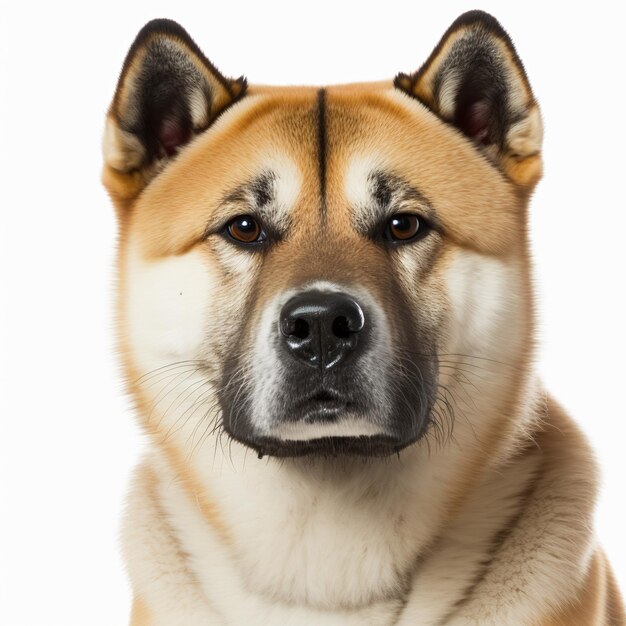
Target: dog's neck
[{"x": 346, "y": 532}]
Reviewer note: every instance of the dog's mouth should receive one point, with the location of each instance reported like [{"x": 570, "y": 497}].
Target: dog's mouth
[
  {"x": 326, "y": 423},
  {"x": 326, "y": 405}
]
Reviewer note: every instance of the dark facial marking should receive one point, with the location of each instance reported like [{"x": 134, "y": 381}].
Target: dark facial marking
[
  {"x": 255, "y": 200},
  {"x": 392, "y": 195},
  {"x": 383, "y": 188},
  {"x": 322, "y": 146},
  {"x": 262, "y": 189},
  {"x": 257, "y": 193}
]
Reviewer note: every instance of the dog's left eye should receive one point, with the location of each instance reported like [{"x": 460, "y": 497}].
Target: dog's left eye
[
  {"x": 403, "y": 227},
  {"x": 245, "y": 229}
]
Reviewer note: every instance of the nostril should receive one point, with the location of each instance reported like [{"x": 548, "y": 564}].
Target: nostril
[
  {"x": 341, "y": 327},
  {"x": 300, "y": 329}
]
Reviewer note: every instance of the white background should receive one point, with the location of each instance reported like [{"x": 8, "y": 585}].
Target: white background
[{"x": 67, "y": 439}]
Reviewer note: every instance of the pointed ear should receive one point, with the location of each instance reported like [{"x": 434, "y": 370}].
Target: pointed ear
[
  {"x": 167, "y": 93},
  {"x": 475, "y": 81}
]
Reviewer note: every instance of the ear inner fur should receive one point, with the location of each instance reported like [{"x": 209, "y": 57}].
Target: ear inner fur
[
  {"x": 475, "y": 81},
  {"x": 168, "y": 92}
]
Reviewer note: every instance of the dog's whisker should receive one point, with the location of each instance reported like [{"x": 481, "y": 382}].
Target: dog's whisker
[
  {"x": 169, "y": 366},
  {"x": 198, "y": 402},
  {"x": 165, "y": 391}
]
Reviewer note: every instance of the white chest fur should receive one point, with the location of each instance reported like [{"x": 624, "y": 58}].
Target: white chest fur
[
  {"x": 322, "y": 535},
  {"x": 346, "y": 555},
  {"x": 205, "y": 580}
]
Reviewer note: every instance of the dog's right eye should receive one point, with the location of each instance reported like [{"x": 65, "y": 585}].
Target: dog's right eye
[
  {"x": 245, "y": 229},
  {"x": 404, "y": 228}
]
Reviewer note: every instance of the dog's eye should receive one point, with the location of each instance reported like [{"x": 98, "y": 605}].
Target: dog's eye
[
  {"x": 403, "y": 227},
  {"x": 245, "y": 229}
]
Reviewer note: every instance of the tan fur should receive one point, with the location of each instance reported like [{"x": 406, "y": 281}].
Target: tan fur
[
  {"x": 505, "y": 533},
  {"x": 139, "y": 614},
  {"x": 596, "y": 603}
]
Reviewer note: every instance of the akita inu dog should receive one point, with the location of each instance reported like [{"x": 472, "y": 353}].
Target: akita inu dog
[{"x": 326, "y": 321}]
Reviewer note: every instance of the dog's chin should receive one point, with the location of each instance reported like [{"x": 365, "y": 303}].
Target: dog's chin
[
  {"x": 358, "y": 446},
  {"x": 326, "y": 431}
]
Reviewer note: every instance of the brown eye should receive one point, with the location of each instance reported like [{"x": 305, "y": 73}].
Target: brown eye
[
  {"x": 245, "y": 229},
  {"x": 403, "y": 227}
]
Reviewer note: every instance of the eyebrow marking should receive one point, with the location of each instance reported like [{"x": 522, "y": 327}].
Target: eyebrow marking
[
  {"x": 387, "y": 194},
  {"x": 256, "y": 196},
  {"x": 391, "y": 192},
  {"x": 322, "y": 147},
  {"x": 382, "y": 190},
  {"x": 257, "y": 192},
  {"x": 262, "y": 189}
]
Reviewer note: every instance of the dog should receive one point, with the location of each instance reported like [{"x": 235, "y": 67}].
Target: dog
[{"x": 326, "y": 324}]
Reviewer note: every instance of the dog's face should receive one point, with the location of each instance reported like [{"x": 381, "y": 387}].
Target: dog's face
[{"x": 320, "y": 263}]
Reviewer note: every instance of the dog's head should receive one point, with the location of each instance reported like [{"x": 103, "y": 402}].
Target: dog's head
[{"x": 308, "y": 269}]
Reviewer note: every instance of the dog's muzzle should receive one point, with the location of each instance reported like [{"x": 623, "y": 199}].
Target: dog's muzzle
[{"x": 336, "y": 393}]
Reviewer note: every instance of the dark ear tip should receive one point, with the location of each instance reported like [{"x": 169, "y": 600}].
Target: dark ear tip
[
  {"x": 238, "y": 87},
  {"x": 162, "y": 26},
  {"x": 402, "y": 81},
  {"x": 159, "y": 26},
  {"x": 477, "y": 17},
  {"x": 489, "y": 24}
]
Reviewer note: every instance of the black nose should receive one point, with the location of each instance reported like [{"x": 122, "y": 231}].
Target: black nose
[{"x": 321, "y": 328}]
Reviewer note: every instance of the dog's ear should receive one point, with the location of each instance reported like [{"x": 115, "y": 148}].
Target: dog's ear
[
  {"x": 475, "y": 81},
  {"x": 167, "y": 93}
]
